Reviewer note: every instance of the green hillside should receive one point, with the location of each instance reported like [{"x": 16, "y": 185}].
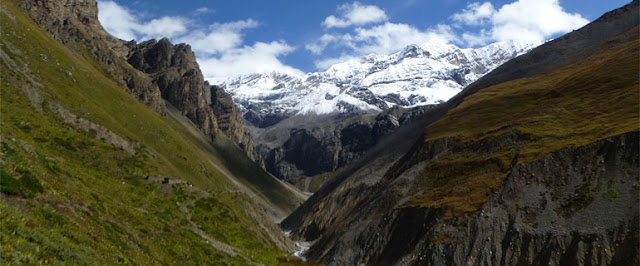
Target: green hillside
[
  {"x": 525, "y": 119},
  {"x": 77, "y": 192}
]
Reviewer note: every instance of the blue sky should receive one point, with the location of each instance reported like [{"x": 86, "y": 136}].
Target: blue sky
[{"x": 239, "y": 37}]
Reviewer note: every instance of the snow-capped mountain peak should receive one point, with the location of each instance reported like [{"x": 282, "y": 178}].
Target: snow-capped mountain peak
[{"x": 416, "y": 75}]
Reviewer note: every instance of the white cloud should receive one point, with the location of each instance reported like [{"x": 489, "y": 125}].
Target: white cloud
[
  {"x": 326, "y": 39},
  {"x": 218, "y": 37},
  {"x": 475, "y": 14},
  {"x": 381, "y": 39},
  {"x": 476, "y": 39},
  {"x": 524, "y": 20},
  {"x": 328, "y": 62},
  {"x": 117, "y": 20},
  {"x": 355, "y": 14},
  {"x": 530, "y": 21},
  {"x": 204, "y": 10},
  {"x": 392, "y": 37},
  {"x": 220, "y": 47},
  {"x": 122, "y": 23},
  {"x": 163, "y": 27},
  {"x": 259, "y": 58}
]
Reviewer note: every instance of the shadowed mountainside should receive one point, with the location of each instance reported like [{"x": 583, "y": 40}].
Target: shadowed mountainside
[{"x": 535, "y": 163}]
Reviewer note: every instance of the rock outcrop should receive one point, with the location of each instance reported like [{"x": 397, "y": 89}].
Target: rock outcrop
[
  {"x": 231, "y": 123},
  {"x": 173, "y": 68},
  {"x": 176, "y": 73},
  {"x": 161, "y": 71}
]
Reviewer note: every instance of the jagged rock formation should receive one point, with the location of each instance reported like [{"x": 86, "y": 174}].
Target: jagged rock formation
[
  {"x": 551, "y": 180},
  {"x": 165, "y": 71},
  {"x": 75, "y": 24},
  {"x": 175, "y": 71}
]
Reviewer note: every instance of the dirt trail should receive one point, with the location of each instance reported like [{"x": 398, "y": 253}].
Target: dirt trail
[{"x": 184, "y": 207}]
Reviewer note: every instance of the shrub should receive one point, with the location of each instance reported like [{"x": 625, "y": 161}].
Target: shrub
[
  {"x": 8, "y": 184},
  {"x": 610, "y": 194},
  {"x": 27, "y": 186}
]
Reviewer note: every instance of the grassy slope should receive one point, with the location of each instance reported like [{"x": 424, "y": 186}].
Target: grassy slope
[
  {"x": 96, "y": 207},
  {"x": 523, "y": 120},
  {"x": 255, "y": 178}
]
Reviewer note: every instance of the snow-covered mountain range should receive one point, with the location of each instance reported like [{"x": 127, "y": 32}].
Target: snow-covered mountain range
[{"x": 417, "y": 75}]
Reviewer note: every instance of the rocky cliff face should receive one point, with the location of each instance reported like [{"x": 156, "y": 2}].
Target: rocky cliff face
[
  {"x": 310, "y": 155},
  {"x": 231, "y": 123},
  {"x": 491, "y": 182},
  {"x": 175, "y": 71},
  {"x": 75, "y": 24},
  {"x": 163, "y": 71}
]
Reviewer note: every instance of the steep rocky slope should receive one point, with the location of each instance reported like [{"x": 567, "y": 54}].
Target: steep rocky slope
[
  {"x": 172, "y": 72},
  {"x": 94, "y": 171},
  {"x": 173, "y": 68},
  {"x": 535, "y": 163}
]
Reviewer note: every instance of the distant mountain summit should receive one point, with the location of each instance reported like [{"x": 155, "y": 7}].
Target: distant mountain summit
[{"x": 417, "y": 75}]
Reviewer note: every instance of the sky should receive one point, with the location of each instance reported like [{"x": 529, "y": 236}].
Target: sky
[{"x": 232, "y": 38}]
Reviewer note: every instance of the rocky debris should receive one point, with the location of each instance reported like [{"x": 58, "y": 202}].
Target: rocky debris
[
  {"x": 42, "y": 102},
  {"x": 92, "y": 129},
  {"x": 168, "y": 184},
  {"x": 385, "y": 124}
]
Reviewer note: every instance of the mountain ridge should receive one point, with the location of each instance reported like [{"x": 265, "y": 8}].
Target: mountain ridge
[{"x": 414, "y": 76}]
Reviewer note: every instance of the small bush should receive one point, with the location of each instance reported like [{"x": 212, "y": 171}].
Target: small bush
[
  {"x": 27, "y": 186},
  {"x": 31, "y": 185},
  {"x": 556, "y": 193},
  {"x": 8, "y": 184},
  {"x": 65, "y": 143},
  {"x": 611, "y": 194}
]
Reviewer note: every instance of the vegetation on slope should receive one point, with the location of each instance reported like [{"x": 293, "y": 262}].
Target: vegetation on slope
[
  {"x": 71, "y": 196},
  {"x": 524, "y": 120}
]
